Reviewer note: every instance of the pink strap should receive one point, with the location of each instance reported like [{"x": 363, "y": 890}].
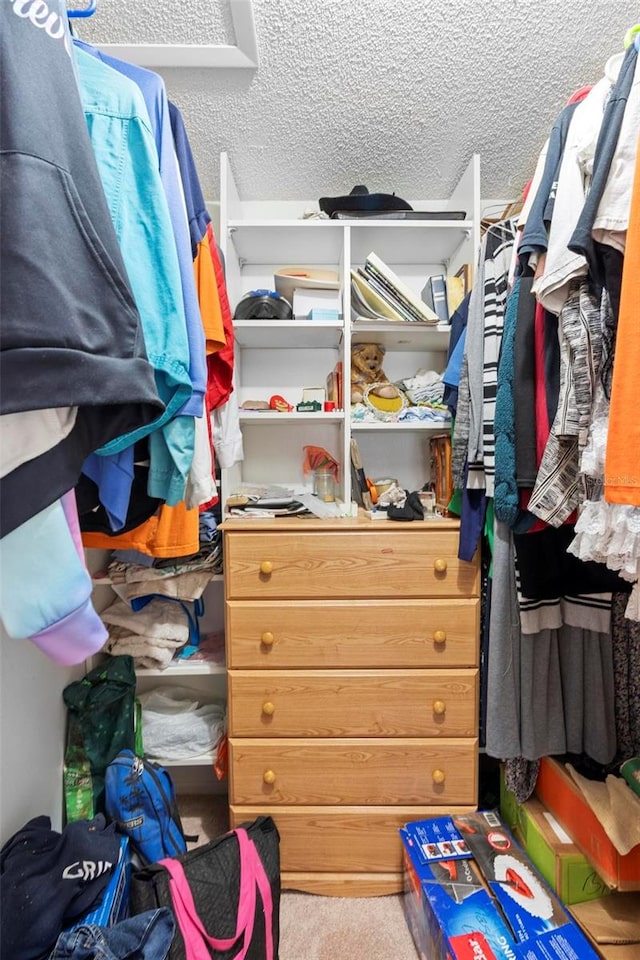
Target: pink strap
[{"x": 252, "y": 874}]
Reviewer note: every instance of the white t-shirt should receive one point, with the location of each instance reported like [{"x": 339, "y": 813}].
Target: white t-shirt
[
  {"x": 26, "y": 435},
  {"x": 562, "y": 265},
  {"x": 612, "y": 218}
]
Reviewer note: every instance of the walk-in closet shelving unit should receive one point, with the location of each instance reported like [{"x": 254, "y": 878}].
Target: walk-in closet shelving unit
[
  {"x": 283, "y": 356},
  {"x": 193, "y": 775}
]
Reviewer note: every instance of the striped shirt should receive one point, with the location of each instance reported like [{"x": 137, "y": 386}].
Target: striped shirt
[{"x": 498, "y": 250}]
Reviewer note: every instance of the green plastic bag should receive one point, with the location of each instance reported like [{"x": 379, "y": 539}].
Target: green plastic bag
[{"x": 101, "y": 723}]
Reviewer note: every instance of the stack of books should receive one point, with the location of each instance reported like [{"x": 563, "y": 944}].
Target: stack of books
[{"x": 377, "y": 293}]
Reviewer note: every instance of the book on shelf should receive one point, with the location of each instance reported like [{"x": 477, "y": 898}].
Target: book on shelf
[
  {"x": 334, "y": 385},
  {"x": 434, "y": 295},
  {"x": 455, "y": 293},
  {"x": 369, "y": 303},
  {"x": 396, "y": 292}
]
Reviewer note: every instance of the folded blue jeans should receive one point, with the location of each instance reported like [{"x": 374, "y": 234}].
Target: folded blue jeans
[{"x": 146, "y": 936}]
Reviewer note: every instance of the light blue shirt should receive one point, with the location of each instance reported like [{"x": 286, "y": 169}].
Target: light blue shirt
[
  {"x": 155, "y": 98},
  {"x": 128, "y": 164}
]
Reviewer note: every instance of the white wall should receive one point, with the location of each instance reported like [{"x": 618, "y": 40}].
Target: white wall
[{"x": 32, "y": 731}]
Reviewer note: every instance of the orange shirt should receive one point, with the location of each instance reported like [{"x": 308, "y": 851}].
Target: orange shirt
[
  {"x": 172, "y": 532},
  {"x": 209, "y": 298},
  {"x": 622, "y": 464}
]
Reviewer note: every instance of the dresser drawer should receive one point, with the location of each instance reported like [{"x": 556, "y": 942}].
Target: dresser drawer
[
  {"x": 365, "y": 703},
  {"x": 358, "y": 563},
  {"x": 342, "y": 839},
  {"x": 359, "y": 771},
  {"x": 354, "y": 633}
]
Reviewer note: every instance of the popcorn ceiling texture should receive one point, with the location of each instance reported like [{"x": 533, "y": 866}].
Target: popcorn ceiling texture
[{"x": 396, "y": 94}]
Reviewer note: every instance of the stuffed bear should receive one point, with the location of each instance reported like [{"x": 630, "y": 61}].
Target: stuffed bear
[{"x": 366, "y": 368}]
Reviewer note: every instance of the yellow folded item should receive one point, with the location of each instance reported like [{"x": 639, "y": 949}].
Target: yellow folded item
[{"x": 388, "y": 405}]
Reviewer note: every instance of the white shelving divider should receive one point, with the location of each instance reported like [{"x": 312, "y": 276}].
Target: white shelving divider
[{"x": 282, "y": 357}]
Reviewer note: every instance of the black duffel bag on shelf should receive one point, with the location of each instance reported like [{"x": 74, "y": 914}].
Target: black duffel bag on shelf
[{"x": 225, "y": 895}]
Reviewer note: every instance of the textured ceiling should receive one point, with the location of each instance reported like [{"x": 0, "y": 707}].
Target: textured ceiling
[{"x": 396, "y": 94}]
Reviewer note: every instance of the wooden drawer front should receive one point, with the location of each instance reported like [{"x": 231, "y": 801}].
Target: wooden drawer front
[
  {"x": 365, "y": 703},
  {"x": 356, "y": 633},
  {"x": 358, "y": 771},
  {"x": 351, "y": 839},
  {"x": 338, "y": 565}
]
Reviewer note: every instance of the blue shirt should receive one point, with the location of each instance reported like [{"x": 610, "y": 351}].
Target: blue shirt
[{"x": 197, "y": 212}]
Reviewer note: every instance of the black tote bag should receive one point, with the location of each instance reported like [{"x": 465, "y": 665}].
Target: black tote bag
[{"x": 216, "y": 874}]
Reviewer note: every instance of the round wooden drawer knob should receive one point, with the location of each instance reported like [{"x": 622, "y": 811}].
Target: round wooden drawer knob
[
  {"x": 440, "y": 565},
  {"x": 266, "y": 567},
  {"x": 270, "y": 708},
  {"x": 439, "y": 636},
  {"x": 439, "y": 707},
  {"x": 269, "y": 776},
  {"x": 438, "y": 776},
  {"x": 267, "y": 638}
]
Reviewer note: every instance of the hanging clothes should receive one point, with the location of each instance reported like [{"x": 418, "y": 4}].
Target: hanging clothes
[
  {"x": 48, "y": 309},
  {"x": 558, "y": 676},
  {"x": 119, "y": 126}
]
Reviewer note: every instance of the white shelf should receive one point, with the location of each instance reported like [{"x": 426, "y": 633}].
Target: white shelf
[
  {"x": 287, "y": 334},
  {"x": 202, "y": 760},
  {"x": 284, "y": 356},
  {"x": 267, "y": 416},
  {"x": 400, "y": 336},
  {"x": 185, "y": 668},
  {"x": 287, "y": 242},
  {"x": 400, "y": 427},
  {"x": 418, "y": 242},
  {"x": 292, "y": 242},
  {"x": 108, "y": 582}
]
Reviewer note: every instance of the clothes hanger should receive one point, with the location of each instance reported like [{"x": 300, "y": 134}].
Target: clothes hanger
[
  {"x": 87, "y": 11},
  {"x": 630, "y": 35}
]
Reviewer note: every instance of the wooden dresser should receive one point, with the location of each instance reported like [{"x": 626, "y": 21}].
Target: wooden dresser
[{"x": 352, "y": 655}]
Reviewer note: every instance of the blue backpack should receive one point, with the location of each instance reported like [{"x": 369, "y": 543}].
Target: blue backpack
[{"x": 141, "y": 798}]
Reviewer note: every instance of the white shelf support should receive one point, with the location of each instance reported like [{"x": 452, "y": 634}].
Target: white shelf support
[{"x": 243, "y": 55}]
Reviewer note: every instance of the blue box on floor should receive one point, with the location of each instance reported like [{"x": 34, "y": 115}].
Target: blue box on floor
[
  {"x": 114, "y": 905},
  {"x": 488, "y": 906}
]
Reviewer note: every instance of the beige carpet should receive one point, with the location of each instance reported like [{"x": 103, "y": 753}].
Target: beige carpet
[
  {"x": 318, "y": 928},
  {"x": 333, "y": 928}
]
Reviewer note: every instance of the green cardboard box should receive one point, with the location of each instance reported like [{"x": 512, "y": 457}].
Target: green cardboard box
[{"x": 563, "y": 866}]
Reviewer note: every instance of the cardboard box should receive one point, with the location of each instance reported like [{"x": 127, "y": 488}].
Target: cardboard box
[
  {"x": 562, "y": 797},
  {"x": 551, "y": 849},
  {"x": 612, "y": 925},
  {"x": 488, "y": 905}
]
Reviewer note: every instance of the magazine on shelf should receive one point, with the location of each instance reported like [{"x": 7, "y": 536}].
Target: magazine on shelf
[
  {"x": 386, "y": 294},
  {"x": 370, "y": 303},
  {"x": 407, "y": 303}
]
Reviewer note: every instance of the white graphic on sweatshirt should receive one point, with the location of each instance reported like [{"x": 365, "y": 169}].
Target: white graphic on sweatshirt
[
  {"x": 40, "y": 15},
  {"x": 86, "y": 869}
]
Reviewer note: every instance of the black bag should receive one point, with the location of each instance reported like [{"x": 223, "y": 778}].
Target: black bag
[{"x": 226, "y": 892}]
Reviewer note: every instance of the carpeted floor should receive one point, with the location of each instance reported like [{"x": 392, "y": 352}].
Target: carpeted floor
[
  {"x": 336, "y": 928},
  {"x": 319, "y": 928}
]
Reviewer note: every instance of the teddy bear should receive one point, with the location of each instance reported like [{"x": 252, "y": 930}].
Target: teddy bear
[{"x": 366, "y": 368}]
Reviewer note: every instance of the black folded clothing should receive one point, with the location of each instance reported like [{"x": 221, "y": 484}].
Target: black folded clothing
[{"x": 399, "y": 214}]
